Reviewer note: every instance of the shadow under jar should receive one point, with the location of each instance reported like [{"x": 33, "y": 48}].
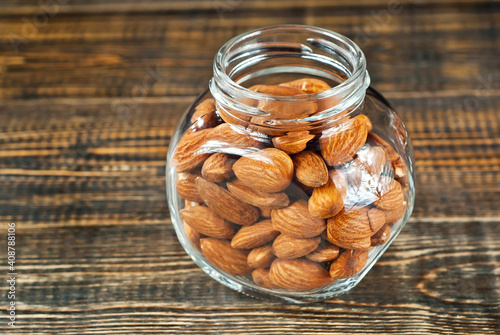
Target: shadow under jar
[{"x": 290, "y": 176}]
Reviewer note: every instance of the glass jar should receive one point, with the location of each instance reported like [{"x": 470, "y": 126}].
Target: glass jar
[{"x": 290, "y": 176}]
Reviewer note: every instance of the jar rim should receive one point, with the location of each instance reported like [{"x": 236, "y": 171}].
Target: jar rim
[{"x": 357, "y": 77}]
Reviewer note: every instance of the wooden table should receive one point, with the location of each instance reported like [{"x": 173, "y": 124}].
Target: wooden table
[{"x": 82, "y": 166}]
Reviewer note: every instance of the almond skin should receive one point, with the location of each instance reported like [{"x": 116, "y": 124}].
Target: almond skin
[
  {"x": 298, "y": 274},
  {"x": 253, "y": 236},
  {"x": 186, "y": 187},
  {"x": 381, "y": 236},
  {"x": 393, "y": 216},
  {"x": 391, "y": 195},
  {"x": 226, "y": 205},
  {"x": 204, "y": 115},
  {"x": 192, "y": 235},
  {"x": 281, "y": 109},
  {"x": 268, "y": 170},
  {"x": 348, "y": 264},
  {"x": 340, "y": 144},
  {"x": 310, "y": 169},
  {"x": 261, "y": 278},
  {"x": 397, "y": 161},
  {"x": 325, "y": 252},
  {"x": 308, "y": 85},
  {"x": 265, "y": 212},
  {"x": 261, "y": 257},
  {"x": 218, "y": 167},
  {"x": 205, "y": 221},
  {"x": 354, "y": 226},
  {"x": 223, "y": 256},
  {"x": 361, "y": 244},
  {"x": 325, "y": 201},
  {"x": 257, "y": 198},
  {"x": 190, "y": 152},
  {"x": 288, "y": 247},
  {"x": 234, "y": 139},
  {"x": 295, "y": 220},
  {"x": 292, "y": 142},
  {"x": 339, "y": 178}
]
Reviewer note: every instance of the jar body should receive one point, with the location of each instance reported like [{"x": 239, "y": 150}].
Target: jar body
[{"x": 285, "y": 181}]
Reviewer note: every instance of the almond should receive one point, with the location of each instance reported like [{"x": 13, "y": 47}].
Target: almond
[
  {"x": 339, "y": 178},
  {"x": 261, "y": 257},
  {"x": 253, "y": 236},
  {"x": 283, "y": 109},
  {"x": 226, "y": 205},
  {"x": 218, "y": 167},
  {"x": 190, "y": 152},
  {"x": 204, "y": 115},
  {"x": 235, "y": 139},
  {"x": 310, "y": 169},
  {"x": 325, "y": 252},
  {"x": 261, "y": 278},
  {"x": 186, "y": 187},
  {"x": 397, "y": 161},
  {"x": 288, "y": 247},
  {"x": 298, "y": 274},
  {"x": 268, "y": 170},
  {"x": 348, "y": 264},
  {"x": 391, "y": 195},
  {"x": 354, "y": 226},
  {"x": 257, "y": 198},
  {"x": 381, "y": 236},
  {"x": 205, "y": 221},
  {"x": 308, "y": 85},
  {"x": 292, "y": 142},
  {"x": 393, "y": 216},
  {"x": 223, "y": 256},
  {"x": 325, "y": 201},
  {"x": 193, "y": 235},
  {"x": 362, "y": 243},
  {"x": 374, "y": 161},
  {"x": 265, "y": 212},
  {"x": 366, "y": 120},
  {"x": 295, "y": 220},
  {"x": 340, "y": 144}
]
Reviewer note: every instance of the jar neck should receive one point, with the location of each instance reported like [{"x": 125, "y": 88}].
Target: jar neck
[{"x": 275, "y": 54}]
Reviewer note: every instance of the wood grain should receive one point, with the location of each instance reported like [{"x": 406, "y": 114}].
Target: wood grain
[{"x": 89, "y": 104}]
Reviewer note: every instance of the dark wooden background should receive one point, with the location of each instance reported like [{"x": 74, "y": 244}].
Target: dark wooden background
[{"x": 83, "y": 140}]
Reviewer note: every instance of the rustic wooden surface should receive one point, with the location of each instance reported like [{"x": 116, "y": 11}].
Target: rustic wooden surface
[{"x": 82, "y": 166}]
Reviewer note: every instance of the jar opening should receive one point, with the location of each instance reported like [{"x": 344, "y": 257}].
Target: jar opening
[{"x": 275, "y": 54}]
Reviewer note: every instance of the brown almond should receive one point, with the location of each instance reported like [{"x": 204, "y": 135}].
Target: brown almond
[
  {"x": 374, "y": 161},
  {"x": 325, "y": 252},
  {"x": 254, "y": 236},
  {"x": 186, "y": 187},
  {"x": 339, "y": 178},
  {"x": 192, "y": 235},
  {"x": 265, "y": 212},
  {"x": 310, "y": 169},
  {"x": 205, "y": 221},
  {"x": 292, "y": 142},
  {"x": 366, "y": 120},
  {"x": 381, "y": 236},
  {"x": 226, "y": 205},
  {"x": 283, "y": 109},
  {"x": 204, "y": 115},
  {"x": 257, "y": 198},
  {"x": 390, "y": 194},
  {"x": 361, "y": 244},
  {"x": 218, "y": 167},
  {"x": 354, "y": 225},
  {"x": 261, "y": 277},
  {"x": 288, "y": 247},
  {"x": 308, "y": 85},
  {"x": 223, "y": 256},
  {"x": 325, "y": 201},
  {"x": 235, "y": 139},
  {"x": 397, "y": 161},
  {"x": 295, "y": 220},
  {"x": 393, "y": 216},
  {"x": 190, "y": 152},
  {"x": 349, "y": 263},
  {"x": 268, "y": 170},
  {"x": 261, "y": 257},
  {"x": 298, "y": 274},
  {"x": 340, "y": 144}
]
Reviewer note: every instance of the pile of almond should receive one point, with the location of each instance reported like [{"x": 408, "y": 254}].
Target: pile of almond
[{"x": 295, "y": 210}]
